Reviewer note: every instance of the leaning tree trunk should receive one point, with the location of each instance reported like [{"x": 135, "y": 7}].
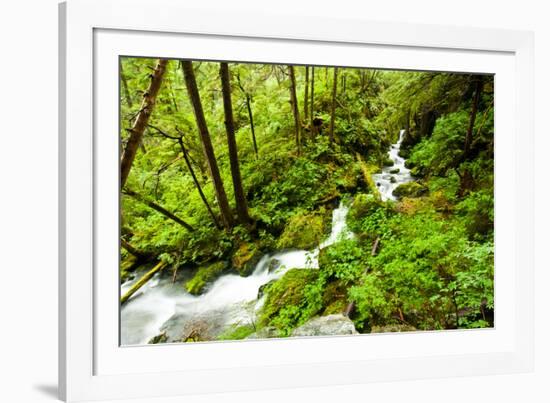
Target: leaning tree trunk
[
  {"x": 240, "y": 199},
  {"x": 251, "y": 118},
  {"x": 197, "y": 183},
  {"x": 158, "y": 208},
  {"x": 207, "y": 148},
  {"x": 136, "y": 132},
  {"x": 333, "y": 104},
  {"x": 294, "y": 104}
]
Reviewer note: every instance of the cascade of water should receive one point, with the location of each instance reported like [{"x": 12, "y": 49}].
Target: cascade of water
[
  {"x": 394, "y": 175},
  {"x": 231, "y": 299}
]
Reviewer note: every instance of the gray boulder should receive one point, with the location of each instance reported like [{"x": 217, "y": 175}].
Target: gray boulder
[{"x": 330, "y": 325}]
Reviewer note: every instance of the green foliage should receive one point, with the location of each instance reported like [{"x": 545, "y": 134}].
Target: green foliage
[{"x": 410, "y": 189}]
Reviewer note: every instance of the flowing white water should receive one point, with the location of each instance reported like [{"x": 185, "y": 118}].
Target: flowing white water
[
  {"x": 401, "y": 174},
  {"x": 232, "y": 299}
]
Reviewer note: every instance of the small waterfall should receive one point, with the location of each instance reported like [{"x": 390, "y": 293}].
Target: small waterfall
[
  {"x": 394, "y": 175},
  {"x": 231, "y": 299}
]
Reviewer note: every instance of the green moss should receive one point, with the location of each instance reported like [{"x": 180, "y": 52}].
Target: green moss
[
  {"x": 394, "y": 171},
  {"x": 285, "y": 300},
  {"x": 362, "y": 205},
  {"x": 246, "y": 258},
  {"x": 410, "y": 189},
  {"x": 238, "y": 332},
  {"x": 335, "y": 298},
  {"x": 303, "y": 231},
  {"x": 204, "y": 276},
  {"x": 388, "y": 162},
  {"x": 159, "y": 338}
]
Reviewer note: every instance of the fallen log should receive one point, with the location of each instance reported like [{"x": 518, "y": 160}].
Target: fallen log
[{"x": 141, "y": 282}]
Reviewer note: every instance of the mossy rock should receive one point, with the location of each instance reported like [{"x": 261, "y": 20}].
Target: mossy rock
[
  {"x": 285, "y": 293},
  {"x": 238, "y": 332},
  {"x": 335, "y": 298},
  {"x": 394, "y": 171},
  {"x": 361, "y": 206},
  {"x": 388, "y": 162},
  {"x": 392, "y": 179},
  {"x": 246, "y": 258},
  {"x": 410, "y": 189},
  {"x": 205, "y": 275},
  {"x": 303, "y": 231},
  {"x": 159, "y": 338}
]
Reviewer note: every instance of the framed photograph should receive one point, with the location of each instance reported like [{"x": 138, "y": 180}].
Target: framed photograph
[{"x": 259, "y": 201}]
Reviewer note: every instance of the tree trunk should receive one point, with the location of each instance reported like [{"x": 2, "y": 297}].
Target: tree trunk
[
  {"x": 136, "y": 132},
  {"x": 131, "y": 250},
  {"x": 294, "y": 104},
  {"x": 311, "y": 114},
  {"x": 306, "y": 95},
  {"x": 141, "y": 282},
  {"x": 158, "y": 208},
  {"x": 333, "y": 104},
  {"x": 125, "y": 85},
  {"x": 197, "y": 184},
  {"x": 251, "y": 118},
  {"x": 208, "y": 150},
  {"x": 240, "y": 199},
  {"x": 473, "y": 113}
]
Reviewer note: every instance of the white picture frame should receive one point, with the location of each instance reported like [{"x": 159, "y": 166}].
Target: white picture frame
[{"x": 91, "y": 364}]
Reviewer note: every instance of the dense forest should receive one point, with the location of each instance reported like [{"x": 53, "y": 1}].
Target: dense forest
[{"x": 266, "y": 200}]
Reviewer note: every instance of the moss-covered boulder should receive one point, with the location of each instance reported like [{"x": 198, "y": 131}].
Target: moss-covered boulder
[
  {"x": 394, "y": 171},
  {"x": 285, "y": 299},
  {"x": 387, "y": 162},
  {"x": 392, "y": 179},
  {"x": 303, "y": 231},
  {"x": 410, "y": 189},
  {"x": 335, "y": 298},
  {"x": 205, "y": 275},
  {"x": 246, "y": 257},
  {"x": 361, "y": 206}
]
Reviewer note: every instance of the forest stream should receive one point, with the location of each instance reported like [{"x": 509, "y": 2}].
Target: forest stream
[{"x": 164, "y": 307}]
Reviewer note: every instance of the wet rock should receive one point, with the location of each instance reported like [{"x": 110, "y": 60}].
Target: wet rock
[
  {"x": 392, "y": 179},
  {"x": 246, "y": 258},
  {"x": 326, "y": 326},
  {"x": 159, "y": 338},
  {"x": 263, "y": 288},
  {"x": 267, "y": 332},
  {"x": 394, "y": 171},
  {"x": 273, "y": 265}
]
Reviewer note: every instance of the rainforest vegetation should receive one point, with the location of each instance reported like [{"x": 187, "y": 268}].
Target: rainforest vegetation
[{"x": 226, "y": 164}]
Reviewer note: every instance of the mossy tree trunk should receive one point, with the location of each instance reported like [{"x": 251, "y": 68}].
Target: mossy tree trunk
[
  {"x": 294, "y": 105},
  {"x": 206, "y": 142},
  {"x": 240, "y": 199},
  {"x": 306, "y": 96},
  {"x": 333, "y": 104},
  {"x": 136, "y": 132}
]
